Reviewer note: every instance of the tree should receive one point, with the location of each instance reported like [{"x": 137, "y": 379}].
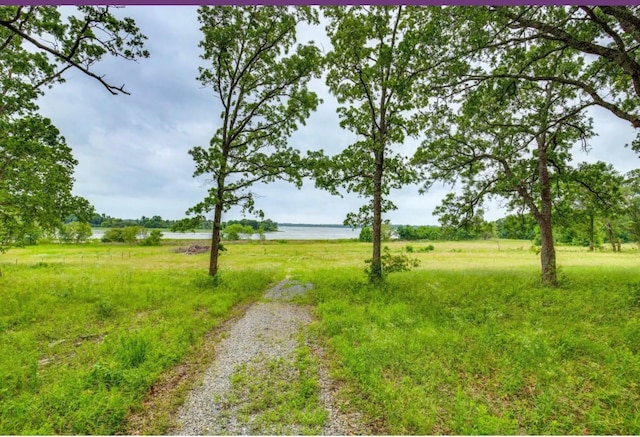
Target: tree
[
  {"x": 366, "y": 235},
  {"x": 37, "y": 46},
  {"x": 36, "y": 179},
  {"x": 631, "y": 193},
  {"x": 509, "y": 139},
  {"x": 592, "y": 193},
  {"x": 377, "y": 70},
  {"x": 606, "y": 36},
  {"x": 153, "y": 239},
  {"x": 75, "y": 232},
  {"x": 234, "y": 231},
  {"x": 516, "y": 227},
  {"x": 260, "y": 80}
]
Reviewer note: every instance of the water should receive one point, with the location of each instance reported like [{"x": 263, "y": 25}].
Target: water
[{"x": 284, "y": 233}]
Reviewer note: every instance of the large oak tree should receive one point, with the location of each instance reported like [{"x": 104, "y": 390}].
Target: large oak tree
[{"x": 510, "y": 139}]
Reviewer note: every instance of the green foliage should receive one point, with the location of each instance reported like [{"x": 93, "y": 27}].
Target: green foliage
[
  {"x": 75, "y": 232},
  {"x": 366, "y": 234},
  {"x": 392, "y": 264},
  {"x": 512, "y": 140},
  {"x": 37, "y": 179},
  {"x": 516, "y": 227},
  {"x": 605, "y": 35},
  {"x": 266, "y": 225},
  {"x": 418, "y": 232},
  {"x": 187, "y": 224},
  {"x": 128, "y": 235},
  {"x": 631, "y": 192},
  {"x": 36, "y": 166},
  {"x": 40, "y": 44},
  {"x": 235, "y": 231},
  {"x": 153, "y": 239},
  {"x": 112, "y": 236}
]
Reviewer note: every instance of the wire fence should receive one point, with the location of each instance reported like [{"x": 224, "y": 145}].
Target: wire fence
[{"x": 64, "y": 259}]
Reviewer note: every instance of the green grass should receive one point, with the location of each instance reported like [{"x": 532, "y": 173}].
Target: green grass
[
  {"x": 279, "y": 396},
  {"x": 468, "y": 343},
  {"x": 488, "y": 351},
  {"x": 83, "y": 340}
]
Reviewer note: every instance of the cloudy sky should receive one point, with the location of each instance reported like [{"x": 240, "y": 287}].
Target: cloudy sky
[{"x": 132, "y": 150}]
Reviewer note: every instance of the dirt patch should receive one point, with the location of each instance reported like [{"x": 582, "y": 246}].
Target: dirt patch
[{"x": 193, "y": 249}]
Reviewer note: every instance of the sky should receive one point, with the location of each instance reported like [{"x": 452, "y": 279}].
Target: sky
[{"x": 133, "y": 149}]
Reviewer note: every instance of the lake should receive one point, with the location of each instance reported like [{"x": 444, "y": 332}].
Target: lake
[{"x": 283, "y": 233}]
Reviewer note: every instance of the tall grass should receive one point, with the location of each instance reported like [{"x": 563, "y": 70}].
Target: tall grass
[
  {"x": 468, "y": 343},
  {"x": 488, "y": 351},
  {"x": 83, "y": 341}
]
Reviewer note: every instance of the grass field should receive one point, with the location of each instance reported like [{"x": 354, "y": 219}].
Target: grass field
[{"x": 467, "y": 343}]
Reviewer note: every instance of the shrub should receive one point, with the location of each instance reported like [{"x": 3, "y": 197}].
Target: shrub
[
  {"x": 113, "y": 236},
  {"x": 153, "y": 239},
  {"x": 393, "y": 263},
  {"x": 428, "y": 248},
  {"x": 366, "y": 235}
]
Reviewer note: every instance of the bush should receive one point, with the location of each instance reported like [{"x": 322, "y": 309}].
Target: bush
[
  {"x": 153, "y": 239},
  {"x": 234, "y": 231},
  {"x": 366, "y": 235},
  {"x": 428, "y": 248},
  {"x": 393, "y": 263},
  {"x": 113, "y": 236},
  {"x": 128, "y": 234},
  {"x": 75, "y": 232}
]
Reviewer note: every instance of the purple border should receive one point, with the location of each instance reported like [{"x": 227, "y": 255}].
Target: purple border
[{"x": 323, "y": 2}]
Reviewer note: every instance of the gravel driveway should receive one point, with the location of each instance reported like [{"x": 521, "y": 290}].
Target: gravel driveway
[{"x": 261, "y": 345}]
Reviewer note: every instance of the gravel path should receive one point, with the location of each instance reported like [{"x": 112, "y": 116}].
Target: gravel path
[{"x": 268, "y": 333}]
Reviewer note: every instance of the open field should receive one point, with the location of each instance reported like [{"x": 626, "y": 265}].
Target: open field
[{"x": 467, "y": 343}]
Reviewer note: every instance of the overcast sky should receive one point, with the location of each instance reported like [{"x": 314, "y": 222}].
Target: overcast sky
[{"x": 132, "y": 150}]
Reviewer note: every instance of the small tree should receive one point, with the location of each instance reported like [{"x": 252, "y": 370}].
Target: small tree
[
  {"x": 366, "y": 235},
  {"x": 236, "y": 230},
  {"x": 379, "y": 69},
  {"x": 631, "y": 194},
  {"x": 75, "y": 232},
  {"x": 153, "y": 239},
  {"x": 592, "y": 195},
  {"x": 260, "y": 81}
]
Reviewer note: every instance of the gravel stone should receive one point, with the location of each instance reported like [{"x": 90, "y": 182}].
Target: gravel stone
[{"x": 267, "y": 331}]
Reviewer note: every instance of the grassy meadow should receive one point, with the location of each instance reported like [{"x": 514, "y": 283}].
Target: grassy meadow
[{"x": 467, "y": 343}]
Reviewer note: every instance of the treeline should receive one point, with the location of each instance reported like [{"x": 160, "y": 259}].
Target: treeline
[
  {"x": 157, "y": 222},
  {"x": 432, "y": 232},
  {"x": 266, "y": 225},
  {"x": 593, "y": 232}
]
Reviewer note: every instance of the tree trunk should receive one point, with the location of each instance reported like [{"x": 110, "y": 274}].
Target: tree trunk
[
  {"x": 376, "y": 261},
  {"x": 591, "y": 234},
  {"x": 611, "y": 237},
  {"x": 547, "y": 250},
  {"x": 547, "y": 253},
  {"x": 215, "y": 239}
]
